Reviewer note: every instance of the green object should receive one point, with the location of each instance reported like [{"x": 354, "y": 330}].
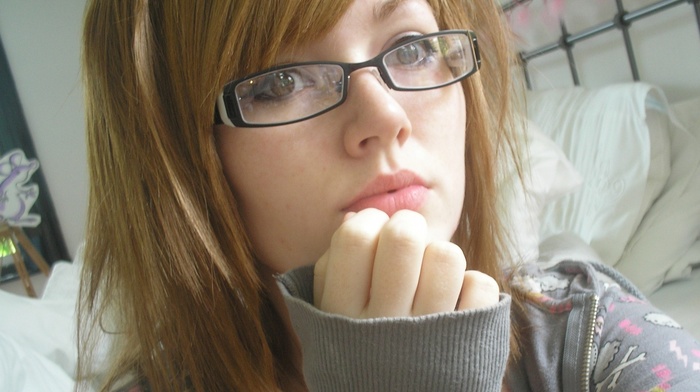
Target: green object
[{"x": 7, "y": 247}]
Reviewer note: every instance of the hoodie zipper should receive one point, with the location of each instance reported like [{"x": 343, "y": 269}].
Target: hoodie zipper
[{"x": 588, "y": 349}]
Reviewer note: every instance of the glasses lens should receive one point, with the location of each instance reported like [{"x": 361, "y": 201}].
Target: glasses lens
[
  {"x": 431, "y": 62},
  {"x": 289, "y": 94}
]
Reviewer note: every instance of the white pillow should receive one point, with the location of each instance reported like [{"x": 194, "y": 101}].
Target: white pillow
[
  {"x": 547, "y": 176},
  {"x": 666, "y": 242},
  {"x": 688, "y": 115},
  {"x": 45, "y": 327},
  {"x": 617, "y": 139},
  {"x": 22, "y": 369},
  {"x": 565, "y": 246}
]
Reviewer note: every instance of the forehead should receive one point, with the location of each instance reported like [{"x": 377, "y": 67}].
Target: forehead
[
  {"x": 283, "y": 27},
  {"x": 375, "y": 13},
  {"x": 363, "y": 20}
]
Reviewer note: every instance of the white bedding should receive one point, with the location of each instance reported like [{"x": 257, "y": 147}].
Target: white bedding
[
  {"x": 681, "y": 298},
  {"x": 639, "y": 205},
  {"x": 37, "y": 344}
]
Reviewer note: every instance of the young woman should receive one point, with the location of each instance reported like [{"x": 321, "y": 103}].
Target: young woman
[{"x": 292, "y": 195}]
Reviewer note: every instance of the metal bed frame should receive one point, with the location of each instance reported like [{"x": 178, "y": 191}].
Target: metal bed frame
[{"x": 622, "y": 21}]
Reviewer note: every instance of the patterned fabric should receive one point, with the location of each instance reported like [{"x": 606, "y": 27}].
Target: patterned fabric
[
  {"x": 628, "y": 344},
  {"x": 638, "y": 346}
]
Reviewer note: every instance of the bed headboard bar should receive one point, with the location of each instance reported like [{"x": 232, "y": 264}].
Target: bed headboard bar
[{"x": 622, "y": 20}]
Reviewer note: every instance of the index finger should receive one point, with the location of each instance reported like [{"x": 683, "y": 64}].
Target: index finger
[{"x": 347, "y": 265}]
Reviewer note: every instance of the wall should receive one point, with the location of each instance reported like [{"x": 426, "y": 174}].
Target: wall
[{"x": 42, "y": 43}]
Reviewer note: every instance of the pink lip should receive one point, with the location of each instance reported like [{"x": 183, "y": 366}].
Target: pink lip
[{"x": 390, "y": 193}]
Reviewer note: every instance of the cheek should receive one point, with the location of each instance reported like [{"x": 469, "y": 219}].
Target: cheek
[
  {"x": 440, "y": 128},
  {"x": 453, "y": 147},
  {"x": 440, "y": 123},
  {"x": 439, "y": 116},
  {"x": 265, "y": 175},
  {"x": 242, "y": 158}
]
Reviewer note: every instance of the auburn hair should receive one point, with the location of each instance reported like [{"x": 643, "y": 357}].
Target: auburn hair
[{"x": 171, "y": 292}]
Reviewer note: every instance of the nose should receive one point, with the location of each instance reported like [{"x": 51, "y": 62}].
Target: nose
[{"x": 375, "y": 119}]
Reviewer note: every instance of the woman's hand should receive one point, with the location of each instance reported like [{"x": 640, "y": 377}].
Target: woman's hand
[{"x": 378, "y": 266}]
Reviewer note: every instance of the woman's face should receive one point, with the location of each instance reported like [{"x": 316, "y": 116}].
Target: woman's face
[{"x": 381, "y": 148}]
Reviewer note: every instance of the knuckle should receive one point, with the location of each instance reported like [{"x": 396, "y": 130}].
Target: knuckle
[
  {"x": 348, "y": 234},
  {"x": 399, "y": 236},
  {"x": 479, "y": 290},
  {"x": 405, "y": 228},
  {"x": 447, "y": 254},
  {"x": 360, "y": 230},
  {"x": 479, "y": 281}
]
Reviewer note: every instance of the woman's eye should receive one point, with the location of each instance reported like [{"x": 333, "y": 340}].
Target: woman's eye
[
  {"x": 415, "y": 53},
  {"x": 409, "y": 54},
  {"x": 279, "y": 85}
]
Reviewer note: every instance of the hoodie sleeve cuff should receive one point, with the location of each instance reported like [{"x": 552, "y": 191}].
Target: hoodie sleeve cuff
[{"x": 452, "y": 351}]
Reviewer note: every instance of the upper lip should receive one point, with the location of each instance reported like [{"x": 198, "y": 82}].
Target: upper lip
[{"x": 387, "y": 183}]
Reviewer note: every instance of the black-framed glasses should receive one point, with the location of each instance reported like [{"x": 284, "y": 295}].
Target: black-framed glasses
[{"x": 296, "y": 92}]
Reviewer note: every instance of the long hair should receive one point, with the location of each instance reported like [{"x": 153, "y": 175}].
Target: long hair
[{"x": 170, "y": 286}]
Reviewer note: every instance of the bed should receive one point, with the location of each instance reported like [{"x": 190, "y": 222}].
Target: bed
[
  {"x": 624, "y": 186},
  {"x": 613, "y": 174}
]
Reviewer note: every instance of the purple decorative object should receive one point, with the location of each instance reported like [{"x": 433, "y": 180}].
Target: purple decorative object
[{"x": 17, "y": 196}]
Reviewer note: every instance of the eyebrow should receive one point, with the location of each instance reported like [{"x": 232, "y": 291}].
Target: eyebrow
[{"x": 385, "y": 9}]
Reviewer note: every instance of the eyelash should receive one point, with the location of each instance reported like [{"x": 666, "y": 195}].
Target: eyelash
[{"x": 401, "y": 40}]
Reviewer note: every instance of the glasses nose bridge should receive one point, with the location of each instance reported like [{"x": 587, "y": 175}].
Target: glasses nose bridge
[{"x": 377, "y": 63}]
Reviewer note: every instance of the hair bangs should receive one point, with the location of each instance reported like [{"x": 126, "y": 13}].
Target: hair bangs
[{"x": 280, "y": 27}]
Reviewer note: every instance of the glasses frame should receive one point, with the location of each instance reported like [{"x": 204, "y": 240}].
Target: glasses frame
[{"x": 228, "y": 110}]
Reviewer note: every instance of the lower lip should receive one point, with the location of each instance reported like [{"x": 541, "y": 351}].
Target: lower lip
[{"x": 408, "y": 198}]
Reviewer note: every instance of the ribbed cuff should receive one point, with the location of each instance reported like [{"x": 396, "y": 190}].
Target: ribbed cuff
[{"x": 453, "y": 351}]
